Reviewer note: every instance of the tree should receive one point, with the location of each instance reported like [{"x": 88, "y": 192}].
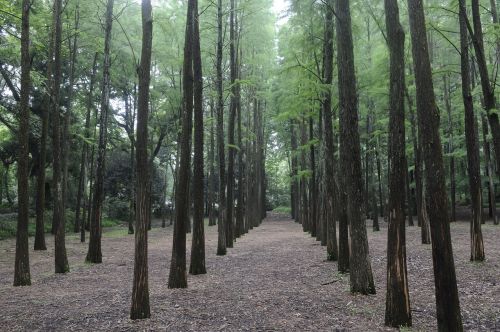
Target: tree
[
  {"x": 94, "y": 254},
  {"x": 197, "y": 265},
  {"x": 361, "y": 277},
  {"x": 140, "y": 291},
  {"x": 22, "y": 263},
  {"x": 477, "y": 248},
  {"x": 328, "y": 158},
  {"x": 397, "y": 305},
  {"x": 178, "y": 276},
  {"x": 221, "y": 224},
  {"x": 447, "y": 302},
  {"x": 58, "y": 219}
]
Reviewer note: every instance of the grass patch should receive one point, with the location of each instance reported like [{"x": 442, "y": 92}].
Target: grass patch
[{"x": 283, "y": 210}]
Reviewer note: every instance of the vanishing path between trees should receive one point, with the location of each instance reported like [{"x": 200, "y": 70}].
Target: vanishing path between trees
[{"x": 274, "y": 279}]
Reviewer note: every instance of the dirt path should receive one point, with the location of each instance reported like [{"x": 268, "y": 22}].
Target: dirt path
[{"x": 275, "y": 279}]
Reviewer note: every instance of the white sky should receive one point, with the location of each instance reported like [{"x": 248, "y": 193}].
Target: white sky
[{"x": 279, "y": 8}]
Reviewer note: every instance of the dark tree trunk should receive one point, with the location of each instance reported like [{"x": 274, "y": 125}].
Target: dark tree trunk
[
  {"x": 197, "y": 265},
  {"x": 221, "y": 224},
  {"x": 447, "y": 102},
  {"x": 328, "y": 158},
  {"x": 211, "y": 176},
  {"x": 409, "y": 197},
  {"x": 313, "y": 194},
  {"x": 239, "y": 230},
  {"x": 94, "y": 255},
  {"x": 447, "y": 302},
  {"x": 379, "y": 175},
  {"x": 475, "y": 190},
  {"x": 22, "y": 263},
  {"x": 489, "y": 171},
  {"x": 140, "y": 291},
  {"x": 304, "y": 204},
  {"x": 361, "y": 278},
  {"x": 58, "y": 221},
  {"x": 489, "y": 98},
  {"x": 178, "y": 276},
  {"x": 294, "y": 182},
  {"x": 397, "y": 305}
]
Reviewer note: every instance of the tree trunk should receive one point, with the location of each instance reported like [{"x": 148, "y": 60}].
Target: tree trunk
[
  {"x": 397, "y": 305},
  {"x": 329, "y": 152},
  {"x": 361, "y": 278},
  {"x": 475, "y": 190},
  {"x": 294, "y": 181},
  {"x": 178, "y": 276},
  {"x": 211, "y": 166},
  {"x": 94, "y": 255},
  {"x": 221, "y": 224},
  {"x": 197, "y": 265},
  {"x": 312, "y": 182},
  {"x": 58, "y": 221},
  {"x": 489, "y": 171},
  {"x": 447, "y": 102},
  {"x": 22, "y": 263},
  {"x": 447, "y": 302},
  {"x": 140, "y": 291}
]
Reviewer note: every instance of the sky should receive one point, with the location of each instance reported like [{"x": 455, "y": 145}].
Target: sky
[{"x": 279, "y": 8}]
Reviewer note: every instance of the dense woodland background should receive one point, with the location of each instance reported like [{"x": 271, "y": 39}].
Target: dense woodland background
[{"x": 123, "y": 112}]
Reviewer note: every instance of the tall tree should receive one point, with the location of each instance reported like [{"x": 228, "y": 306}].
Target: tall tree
[
  {"x": 178, "y": 276},
  {"x": 197, "y": 265},
  {"x": 22, "y": 263},
  {"x": 329, "y": 146},
  {"x": 58, "y": 218},
  {"x": 94, "y": 254},
  {"x": 361, "y": 277},
  {"x": 447, "y": 302},
  {"x": 140, "y": 291},
  {"x": 397, "y": 305},
  {"x": 472, "y": 142},
  {"x": 221, "y": 224}
]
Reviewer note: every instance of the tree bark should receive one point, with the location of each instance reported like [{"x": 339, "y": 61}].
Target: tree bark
[
  {"x": 140, "y": 291},
  {"x": 22, "y": 263},
  {"x": 475, "y": 190},
  {"x": 361, "y": 278},
  {"x": 178, "y": 276},
  {"x": 197, "y": 265},
  {"x": 94, "y": 254},
  {"x": 221, "y": 224},
  {"x": 58, "y": 221},
  {"x": 447, "y": 302},
  {"x": 397, "y": 305}
]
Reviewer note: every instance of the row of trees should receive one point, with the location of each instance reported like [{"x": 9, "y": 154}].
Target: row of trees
[
  {"x": 353, "y": 132},
  {"x": 145, "y": 107}
]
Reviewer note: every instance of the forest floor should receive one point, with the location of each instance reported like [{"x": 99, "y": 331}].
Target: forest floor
[{"x": 274, "y": 279}]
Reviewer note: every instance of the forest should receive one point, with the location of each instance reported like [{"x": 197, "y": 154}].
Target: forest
[{"x": 249, "y": 165}]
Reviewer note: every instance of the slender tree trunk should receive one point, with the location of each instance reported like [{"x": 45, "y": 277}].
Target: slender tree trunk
[
  {"x": 447, "y": 102},
  {"x": 397, "y": 305},
  {"x": 475, "y": 190},
  {"x": 140, "y": 291},
  {"x": 379, "y": 175},
  {"x": 221, "y": 224},
  {"x": 489, "y": 171},
  {"x": 22, "y": 263},
  {"x": 361, "y": 278},
  {"x": 94, "y": 255},
  {"x": 447, "y": 302},
  {"x": 197, "y": 265},
  {"x": 211, "y": 166},
  {"x": 312, "y": 182},
  {"x": 178, "y": 276},
  {"x": 294, "y": 180},
  {"x": 61, "y": 260}
]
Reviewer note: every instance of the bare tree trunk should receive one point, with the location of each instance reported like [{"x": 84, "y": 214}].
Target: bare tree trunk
[
  {"x": 447, "y": 302},
  {"x": 447, "y": 102},
  {"x": 178, "y": 276},
  {"x": 361, "y": 277},
  {"x": 61, "y": 260},
  {"x": 477, "y": 247},
  {"x": 221, "y": 225},
  {"x": 140, "y": 291},
  {"x": 397, "y": 305},
  {"x": 94, "y": 254},
  {"x": 211, "y": 167},
  {"x": 197, "y": 265},
  {"x": 22, "y": 263}
]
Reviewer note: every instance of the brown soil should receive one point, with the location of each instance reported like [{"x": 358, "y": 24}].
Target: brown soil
[{"x": 275, "y": 279}]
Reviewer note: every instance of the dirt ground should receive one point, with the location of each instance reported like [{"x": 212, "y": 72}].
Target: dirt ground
[{"x": 274, "y": 279}]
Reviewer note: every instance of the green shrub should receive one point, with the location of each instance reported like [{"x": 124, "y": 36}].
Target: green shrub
[{"x": 283, "y": 210}]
